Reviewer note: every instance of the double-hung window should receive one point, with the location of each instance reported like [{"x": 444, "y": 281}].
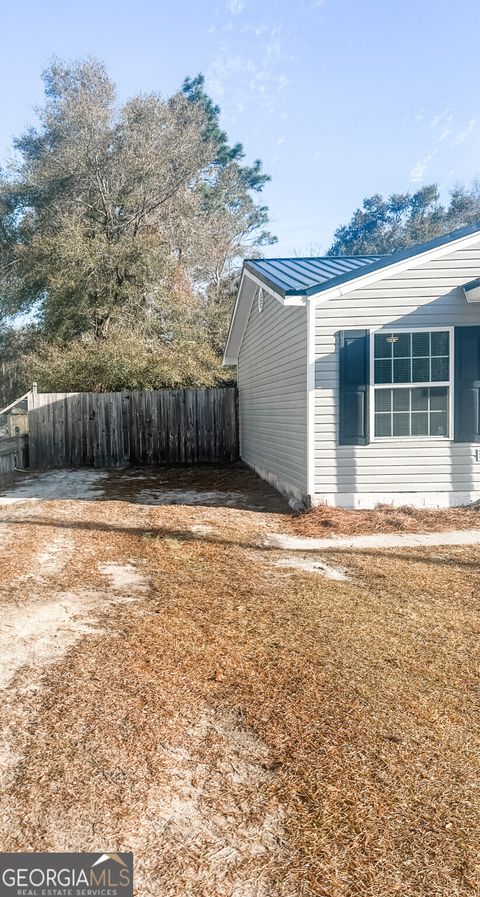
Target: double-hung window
[{"x": 411, "y": 383}]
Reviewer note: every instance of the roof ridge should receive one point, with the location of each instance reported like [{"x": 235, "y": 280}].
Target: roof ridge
[{"x": 312, "y": 258}]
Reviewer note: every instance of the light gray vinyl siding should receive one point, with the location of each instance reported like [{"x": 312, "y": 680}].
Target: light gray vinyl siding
[
  {"x": 272, "y": 380},
  {"x": 430, "y": 295}
]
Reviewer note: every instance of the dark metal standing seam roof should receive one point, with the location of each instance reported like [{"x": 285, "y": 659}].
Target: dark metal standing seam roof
[
  {"x": 299, "y": 275},
  {"x": 305, "y": 276}
]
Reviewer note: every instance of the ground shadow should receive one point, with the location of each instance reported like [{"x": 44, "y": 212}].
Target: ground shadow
[
  {"x": 163, "y": 532},
  {"x": 234, "y": 486},
  {"x": 405, "y": 555}
]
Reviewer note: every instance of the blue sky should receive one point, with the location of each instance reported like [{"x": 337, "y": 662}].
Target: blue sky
[{"x": 339, "y": 98}]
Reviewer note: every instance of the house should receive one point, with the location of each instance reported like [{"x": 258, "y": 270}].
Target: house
[
  {"x": 14, "y": 421},
  {"x": 17, "y": 420},
  {"x": 359, "y": 377}
]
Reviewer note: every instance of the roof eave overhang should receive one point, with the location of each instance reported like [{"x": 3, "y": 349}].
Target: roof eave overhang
[
  {"x": 284, "y": 297},
  {"x": 233, "y": 344},
  {"x": 228, "y": 358},
  {"x": 403, "y": 262},
  {"x": 472, "y": 290}
]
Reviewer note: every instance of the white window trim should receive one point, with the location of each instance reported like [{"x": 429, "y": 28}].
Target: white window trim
[{"x": 399, "y": 328}]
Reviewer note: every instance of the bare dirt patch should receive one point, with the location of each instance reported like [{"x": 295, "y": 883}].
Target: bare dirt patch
[
  {"x": 211, "y": 806},
  {"x": 313, "y": 565},
  {"x": 55, "y": 484},
  {"x": 124, "y": 577},
  {"x": 54, "y": 556}
]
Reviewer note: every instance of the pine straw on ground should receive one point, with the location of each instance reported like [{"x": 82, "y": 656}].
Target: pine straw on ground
[
  {"x": 326, "y": 733},
  {"x": 324, "y": 520}
]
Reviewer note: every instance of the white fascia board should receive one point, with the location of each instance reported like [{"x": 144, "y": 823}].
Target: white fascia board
[
  {"x": 295, "y": 300},
  {"x": 472, "y": 294},
  {"x": 264, "y": 286},
  {"x": 363, "y": 280},
  {"x": 284, "y": 300},
  {"x": 226, "y": 361}
]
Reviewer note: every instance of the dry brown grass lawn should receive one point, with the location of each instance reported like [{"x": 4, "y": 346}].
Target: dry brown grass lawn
[
  {"x": 249, "y": 730},
  {"x": 323, "y": 520}
]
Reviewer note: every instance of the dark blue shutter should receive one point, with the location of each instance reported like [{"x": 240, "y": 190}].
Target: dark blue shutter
[
  {"x": 354, "y": 379},
  {"x": 467, "y": 384}
]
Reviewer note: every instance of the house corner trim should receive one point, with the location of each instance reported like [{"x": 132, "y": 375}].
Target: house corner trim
[{"x": 311, "y": 318}]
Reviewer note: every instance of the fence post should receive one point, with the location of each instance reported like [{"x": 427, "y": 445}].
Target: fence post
[{"x": 18, "y": 449}]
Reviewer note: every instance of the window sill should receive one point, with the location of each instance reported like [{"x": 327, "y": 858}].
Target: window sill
[{"x": 411, "y": 439}]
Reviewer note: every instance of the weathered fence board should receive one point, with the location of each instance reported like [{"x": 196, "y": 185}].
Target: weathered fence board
[
  {"x": 114, "y": 429},
  {"x": 13, "y": 453}
]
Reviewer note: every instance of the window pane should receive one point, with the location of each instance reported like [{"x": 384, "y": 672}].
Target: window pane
[
  {"x": 402, "y": 345},
  {"x": 420, "y": 344},
  {"x": 440, "y": 343},
  {"x": 383, "y": 400},
  {"x": 419, "y": 423},
  {"x": 417, "y": 357},
  {"x": 382, "y": 348},
  {"x": 412, "y": 412},
  {"x": 383, "y": 372},
  {"x": 401, "y": 424},
  {"x": 402, "y": 370},
  {"x": 439, "y": 423},
  {"x": 439, "y": 398},
  {"x": 420, "y": 399},
  {"x": 401, "y": 399},
  {"x": 421, "y": 370},
  {"x": 383, "y": 426},
  {"x": 439, "y": 369}
]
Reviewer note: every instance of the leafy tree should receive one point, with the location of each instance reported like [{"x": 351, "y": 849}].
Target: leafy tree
[
  {"x": 124, "y": 360},
  {"x": 125, "y": 224},
  {"x": 232, "y": 222},
  {"x": 15, "y": 346},
  {"x": 404, "y": 219}
]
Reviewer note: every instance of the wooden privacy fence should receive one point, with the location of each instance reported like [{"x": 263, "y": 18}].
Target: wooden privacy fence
[
  {"x": 13, "y": 453},
  {"x": 113, "y": 429}
]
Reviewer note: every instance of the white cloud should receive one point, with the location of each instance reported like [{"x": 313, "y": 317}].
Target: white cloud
[
  {"x": 442, "y": 134},
  {"x": 236, "y": 6},
  {"x": 441, "y": 118},
  {"x": 445, "y": 133},
  {"x": 249, "y": 69},
  {"x": 312, "y": 5},
  {"x": 444, "y": 126},
  {"x": 463, "y": 135},
  {"x": 418, "y": 171}
]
